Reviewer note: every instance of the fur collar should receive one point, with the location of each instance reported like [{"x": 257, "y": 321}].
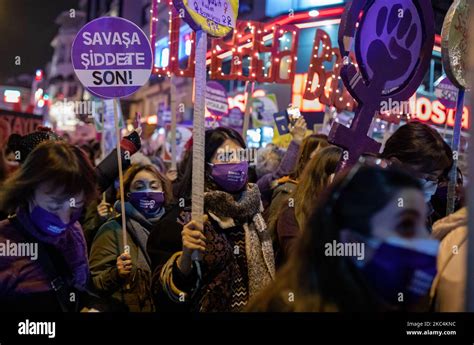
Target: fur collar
[{"x": 226, "y": 205}]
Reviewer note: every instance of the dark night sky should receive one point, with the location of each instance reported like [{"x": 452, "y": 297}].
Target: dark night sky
[{"x": 26, "y": 29}]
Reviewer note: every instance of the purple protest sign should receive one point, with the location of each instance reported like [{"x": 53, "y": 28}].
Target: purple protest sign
[
  {"x": 234, "y": 119},
  {"x": 446, "y": 92},
  {"x": 216, "y": 99},
  {"x": 112, "y": 57},
  {"x": 393, "y": 44},
  {"x": 389, "y": 41}
]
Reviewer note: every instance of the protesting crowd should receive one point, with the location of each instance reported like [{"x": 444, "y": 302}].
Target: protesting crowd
[{"x": 288, "y": 232}]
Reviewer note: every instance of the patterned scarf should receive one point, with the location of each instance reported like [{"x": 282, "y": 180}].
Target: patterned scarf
[{"x": 245, "y": 209}]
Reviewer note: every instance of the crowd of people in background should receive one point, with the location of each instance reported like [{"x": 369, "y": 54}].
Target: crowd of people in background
[{"x": 287, "y": 232}]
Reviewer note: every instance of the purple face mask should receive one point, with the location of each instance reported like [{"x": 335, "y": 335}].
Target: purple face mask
[
  {"x": 147, "y": 203},
  {"x": 51, "y": 224},
  {"x": 402, "y": 271},
  {"x": 231, "y": 177}
]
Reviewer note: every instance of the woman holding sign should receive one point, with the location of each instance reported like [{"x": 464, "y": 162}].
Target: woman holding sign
[
  {"x": 126, "y": 276},
  {"x": 237, "y": 255}
]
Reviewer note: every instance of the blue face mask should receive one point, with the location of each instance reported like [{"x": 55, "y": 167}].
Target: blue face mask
[
  {"x": 51, "y": 224},
  {"x": 429, "y": 188}
]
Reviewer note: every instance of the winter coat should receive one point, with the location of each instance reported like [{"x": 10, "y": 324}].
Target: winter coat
[
  {"x": 281, "y": 220},
  {"x": 26, "y": 280},
  {"x": 287, "y": 230},
  {"x": 448, "y": 289},
  {"x": 287, "y": 164},
  {"x": 283, "y": 188},
  {"x": 237, "y": 264},
  {"x": 107, "y": 246}
]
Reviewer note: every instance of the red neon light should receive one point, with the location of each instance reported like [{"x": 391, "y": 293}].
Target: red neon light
[{"x": 283, "y": 20}]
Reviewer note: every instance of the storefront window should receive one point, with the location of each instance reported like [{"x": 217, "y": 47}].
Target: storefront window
[
  {"x": 165, "y": 56},
  {"x": 305, "y": 4}
]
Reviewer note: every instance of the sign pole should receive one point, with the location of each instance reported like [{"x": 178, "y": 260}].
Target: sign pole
[
  {"x": 173, "y": 122},
  {"x": 102, "y": 148},
  {"x": 249, "y": 89},
  {"x": 126, "y": 248},
  {"x": 453, "y": 174},
  {"x": 199, "y": 131},
  {"x": 469, "y": 287},
  {"x": 218, "y": 21}
]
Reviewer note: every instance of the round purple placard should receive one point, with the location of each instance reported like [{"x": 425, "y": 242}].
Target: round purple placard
[
  {"x": 447, "y": 93},
  {"x": 390, "y": 39},
  {"x": 112, "y": 57}
]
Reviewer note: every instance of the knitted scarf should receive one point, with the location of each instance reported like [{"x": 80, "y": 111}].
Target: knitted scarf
[
  {"x": 138, "y": 227},
  {"x": 245, "y": 209}
]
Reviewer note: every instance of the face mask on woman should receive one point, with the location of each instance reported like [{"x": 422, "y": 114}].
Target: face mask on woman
[
  {"x": 49, "y": 223},
  {"x": 231, "y": 177},
  {"x": 401, "y": 270},
  {"x": 147, "y": 202},
  {"x": 429, "y": 189}
]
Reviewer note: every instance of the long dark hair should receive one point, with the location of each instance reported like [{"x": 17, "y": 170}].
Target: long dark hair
[
  {"x": 214, "y": 139},
  {"x": 308, "y": 146},
  {"x": 314, "y": 180},
  {"x": 65, "y": 166},
  {"x": 331, "y": 283}
]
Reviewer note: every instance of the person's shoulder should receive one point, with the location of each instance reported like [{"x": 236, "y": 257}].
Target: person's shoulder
[
  {"x": 8, "y": 231},
  {"x": 176, "y": 213},
  {"x": 285, "y": 185},
  {"x": 11, "y": 237},
  {"x": 171, "y": 223},
  {"x": 454, "y": 239},
  {"x": 109, "y": 228}
]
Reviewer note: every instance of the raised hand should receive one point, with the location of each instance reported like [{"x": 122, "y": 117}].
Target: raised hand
[{"x": 391, "y": 62}]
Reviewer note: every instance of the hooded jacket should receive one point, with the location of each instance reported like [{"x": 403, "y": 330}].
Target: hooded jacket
[{"x": 448, "y": 289}]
